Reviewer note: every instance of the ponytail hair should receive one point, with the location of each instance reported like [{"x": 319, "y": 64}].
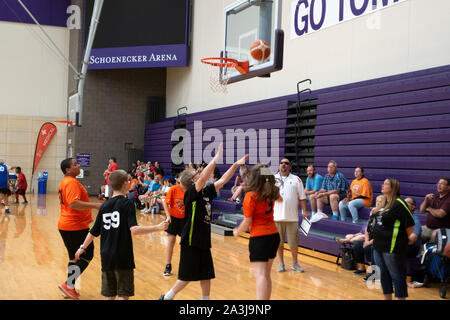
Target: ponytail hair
[{"x": 262, "y": 182}]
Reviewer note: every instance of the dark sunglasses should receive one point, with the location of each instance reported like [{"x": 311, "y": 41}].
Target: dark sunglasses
[{"x": 286, "y": 163}]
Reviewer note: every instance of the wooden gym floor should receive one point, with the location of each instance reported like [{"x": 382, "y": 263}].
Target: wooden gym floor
[{"x": 33, "y": 261}]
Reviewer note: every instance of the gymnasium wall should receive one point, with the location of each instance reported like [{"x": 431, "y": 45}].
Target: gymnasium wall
[
  {"x": 411, "y": 36},
  {"x": 397, "y": 126},
  {"x": 33, "y": 90}
]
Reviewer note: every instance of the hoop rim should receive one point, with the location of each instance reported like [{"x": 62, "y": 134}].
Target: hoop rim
[
  {"x": 231, "y": 63},
  {"x": 241, "y": 66}
]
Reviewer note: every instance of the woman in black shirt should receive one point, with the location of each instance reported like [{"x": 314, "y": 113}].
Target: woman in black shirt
[{"x": 390, "y": 229}]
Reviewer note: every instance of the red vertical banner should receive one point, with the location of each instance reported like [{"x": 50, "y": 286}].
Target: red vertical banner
[{"x": 46, "y": 134}]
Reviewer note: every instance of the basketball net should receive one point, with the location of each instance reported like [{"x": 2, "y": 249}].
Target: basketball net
[{"x": 218, "y": 81}]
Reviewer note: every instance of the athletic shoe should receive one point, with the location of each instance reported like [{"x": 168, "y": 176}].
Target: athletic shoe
[
  {"x": 15, "y": 202},
  {"x": 161, "y": 297},
  {"x": 168, "y": 270},
  {"x": 366, "y": 278},
  {"x": 296, "y": 267},
  {"x": 335, "y": 217},
  {"x": 357, "y": 272},
  {"x": 415, "y": 284},
  {"x": 238, "y": 201},
  {"x": 25, "y": 202},
  {"x": 69, "y": 291},
  {"x": 281, "y": 268}
]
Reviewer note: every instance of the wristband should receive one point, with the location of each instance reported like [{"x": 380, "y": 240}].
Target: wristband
[{"x": 81, "y": 247}]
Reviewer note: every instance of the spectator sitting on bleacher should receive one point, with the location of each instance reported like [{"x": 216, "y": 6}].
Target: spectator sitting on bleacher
[
  {"x": 360, "y": 195},
  {"x": 157, "y": 170},
  {"x": 160, "y": 193},
  {"x": 153, "y": 185},
  {"x": 239, "y": 184},
  {"x": 334, "y": 189},
  {"x": 132, "y": 185},
  {"x": 437, "y": 207},
  {"x": 362, "y": 245},
  {"x": 313, "y": 185}
]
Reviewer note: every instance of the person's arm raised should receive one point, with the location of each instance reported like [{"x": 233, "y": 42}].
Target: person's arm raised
[
  {"x": 209, "y": 169},
  {"x": 229, "y": 173}
]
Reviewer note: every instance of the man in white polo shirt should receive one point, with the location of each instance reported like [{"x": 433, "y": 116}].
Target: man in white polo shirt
[{"x": 285, "y": 213}]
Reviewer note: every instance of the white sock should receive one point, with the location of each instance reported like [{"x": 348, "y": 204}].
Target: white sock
[
  {"x": 335, "y": 214},
  {"x": 169, "y": 295},
  {"x": 205, "y": 297},
  {"x": 313, "y": 213}
]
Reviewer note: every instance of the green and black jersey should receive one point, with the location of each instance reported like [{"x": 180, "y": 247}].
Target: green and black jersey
[
  {"x": 198, "y": 215},
  {"x": 389, "y": 228}
]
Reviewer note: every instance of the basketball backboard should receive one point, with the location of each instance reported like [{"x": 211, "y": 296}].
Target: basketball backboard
[
  {"x": 247, "y": 21},
  {"x": 72, "y": 108}
]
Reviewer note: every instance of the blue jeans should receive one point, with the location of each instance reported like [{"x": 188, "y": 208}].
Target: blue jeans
[
  {"x": 353, "y": 206},
  {"x": 392, "y": 270}
]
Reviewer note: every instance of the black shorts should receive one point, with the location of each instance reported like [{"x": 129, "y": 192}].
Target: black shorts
[
  {"x": 5, "y": 191},
  {"x": 118, "y": 283},
  {"x": 195, "y": 264},
  {"x": 20, "y": 192},
  {"x": 73, "y": 240},
  {"x": 176, "y": 226},
  {"x": 264, "y": 248}
]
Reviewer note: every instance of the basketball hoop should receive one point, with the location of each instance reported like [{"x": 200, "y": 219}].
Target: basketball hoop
[
  {"x": 69, "y": 123},
  {"x": 218, "y": 81}
]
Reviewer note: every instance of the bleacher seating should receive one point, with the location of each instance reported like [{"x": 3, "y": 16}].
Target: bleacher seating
[{"x": 397, "y": 126}]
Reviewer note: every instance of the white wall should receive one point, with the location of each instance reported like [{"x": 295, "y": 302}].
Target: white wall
[
  {"x": 33, "y": 90},
  {"x": 412, "y": 35},
  {"x": 33, "y": 78}
]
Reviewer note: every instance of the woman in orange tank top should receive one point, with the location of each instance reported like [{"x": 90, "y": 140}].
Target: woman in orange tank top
[{"x": 258, "y": 217}]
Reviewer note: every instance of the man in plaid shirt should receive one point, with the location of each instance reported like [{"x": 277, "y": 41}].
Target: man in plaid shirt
[{"x": 334, "y": 189}]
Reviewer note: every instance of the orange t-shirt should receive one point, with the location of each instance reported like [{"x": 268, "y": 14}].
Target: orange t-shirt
[
  {"x": 261, "y": 214},
  {"x": 131, "y": 183},
  {"x": 363, "y": 188},
  {"x": 174, "y": 199},
  {"x": 69, "y": 191}
]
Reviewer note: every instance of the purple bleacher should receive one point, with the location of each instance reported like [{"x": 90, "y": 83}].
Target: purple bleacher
[
  {"x": 396, "y": 126},
  {"x": 330, "y": 225},
  {"x": 223, "y": 205}
]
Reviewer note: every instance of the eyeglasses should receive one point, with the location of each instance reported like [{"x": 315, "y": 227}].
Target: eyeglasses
[{"x": 286, "y": 163}]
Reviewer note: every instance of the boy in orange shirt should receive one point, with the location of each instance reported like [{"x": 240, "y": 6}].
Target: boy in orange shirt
[
  {"x": 174, "y": 208},
  {"x": 73, "y": 224}
]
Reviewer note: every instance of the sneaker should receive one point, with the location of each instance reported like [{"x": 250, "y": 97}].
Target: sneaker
[
  {"x": 16, "y": 202},
  {"x": 168, "y": 270},
  {"x": 357, "y": 272},
  {"x": 366, "y": 278},
  {"x": 281, "y": 268},
  {"x": 415, "y": 284},
  {"x": 296, "y": 267},
  {"x": 25, "y": 202},
  {"x": 336, "y": 218},
  {"x": 161, "y": 297},
  {"x": 71, "y": 293},
  {"x": 238, "y": 201}
]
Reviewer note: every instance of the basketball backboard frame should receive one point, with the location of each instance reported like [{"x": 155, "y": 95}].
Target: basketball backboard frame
[{"x": 245, "y": 22}]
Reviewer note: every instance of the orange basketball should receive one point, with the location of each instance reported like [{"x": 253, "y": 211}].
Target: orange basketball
[{"x": 260, "y": 50}]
